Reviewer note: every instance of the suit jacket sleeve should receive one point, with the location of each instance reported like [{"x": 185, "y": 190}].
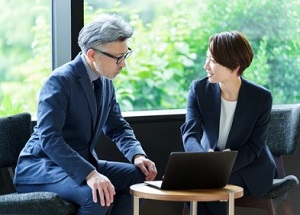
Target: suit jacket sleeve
[
  {"x": 254, "y": 141},
  {"x": 120, "y": 132},
  {"x": 192, "y": 130},
  {"x": 54, "y": 104}
]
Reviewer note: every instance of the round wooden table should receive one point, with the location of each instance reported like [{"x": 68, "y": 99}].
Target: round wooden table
[{"x": 227, "y": 193}]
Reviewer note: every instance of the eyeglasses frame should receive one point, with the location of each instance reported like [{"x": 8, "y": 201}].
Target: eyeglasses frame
[{"x": 118, "y": 59}]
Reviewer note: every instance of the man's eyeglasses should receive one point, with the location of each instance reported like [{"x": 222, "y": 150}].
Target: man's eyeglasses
[{"x": 118, "y": 59}]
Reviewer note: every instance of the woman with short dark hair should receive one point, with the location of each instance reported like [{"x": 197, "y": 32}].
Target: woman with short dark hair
[{"x": 227, "y": 112}]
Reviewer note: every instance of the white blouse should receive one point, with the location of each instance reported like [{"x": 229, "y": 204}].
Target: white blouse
[{"x": 226, "y": 118}]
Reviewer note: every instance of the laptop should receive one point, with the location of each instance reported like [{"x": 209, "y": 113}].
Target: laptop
[{"x": 196, "y": 170}]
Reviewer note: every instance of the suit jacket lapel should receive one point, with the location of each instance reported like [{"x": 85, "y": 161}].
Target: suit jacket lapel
[
  {"x": 214, "y": 118},
  {"x": 240, "y": 111},
  {"x": 217, "y": 109},
  {"x": 87, "y": 87}
]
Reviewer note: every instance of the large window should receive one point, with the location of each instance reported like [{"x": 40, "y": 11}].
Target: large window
[
  {"x": 24, "y": 54},
  {"x": 169, "y": 45},
  {"x": 171, "y": 38}
]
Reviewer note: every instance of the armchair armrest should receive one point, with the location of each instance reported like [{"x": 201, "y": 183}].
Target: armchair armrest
[{"x": 35, "y": 203}]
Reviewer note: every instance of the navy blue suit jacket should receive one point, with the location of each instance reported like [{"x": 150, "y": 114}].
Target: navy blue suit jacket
[
  {"x": 254, "y": 162},
  {"x": 63, "y": 142}
]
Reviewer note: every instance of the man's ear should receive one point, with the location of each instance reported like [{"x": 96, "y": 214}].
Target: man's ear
[{"x": 91, "y": 54}]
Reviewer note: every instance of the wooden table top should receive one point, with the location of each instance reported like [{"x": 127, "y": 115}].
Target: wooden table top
[{"x": 147, "y": 192}]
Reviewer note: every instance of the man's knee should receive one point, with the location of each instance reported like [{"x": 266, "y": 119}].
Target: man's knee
[
  {"x": 90, "y": 207},
  {"x": 137, "y": 176}
]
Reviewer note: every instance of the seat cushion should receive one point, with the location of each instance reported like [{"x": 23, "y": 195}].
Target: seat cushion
[
  {"x": 35, "y": 203},
  {"x": 281, "y": 186}
]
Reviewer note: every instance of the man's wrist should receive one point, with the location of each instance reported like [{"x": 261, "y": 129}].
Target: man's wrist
[
  {"x": 139, "y": 155},
  {"x": 90, "y": 175}
]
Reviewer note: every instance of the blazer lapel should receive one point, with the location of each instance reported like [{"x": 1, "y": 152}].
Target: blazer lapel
[
  {"x": 239, "y": 114},
  {"x": 89, "y": 93},
  {"x": 216, "y": 119},
  {"x": 87, "y": 87},
  {"x": 214, "y": 108}
]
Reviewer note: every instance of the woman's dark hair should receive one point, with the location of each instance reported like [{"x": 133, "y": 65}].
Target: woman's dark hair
[{"x": 231, "y": 49}]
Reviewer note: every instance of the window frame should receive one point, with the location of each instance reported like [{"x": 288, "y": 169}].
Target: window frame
[
  {"x": 67, "y": 19},
  {"x": 65, "y": 45}
]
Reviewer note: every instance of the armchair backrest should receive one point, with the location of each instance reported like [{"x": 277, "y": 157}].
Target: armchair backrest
[
  {"x": 15, "y": 130},
  {"x": 284, "y": 132}
]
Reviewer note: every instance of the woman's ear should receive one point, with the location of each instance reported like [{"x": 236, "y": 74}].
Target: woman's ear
[{"x": 236, "y": 70}]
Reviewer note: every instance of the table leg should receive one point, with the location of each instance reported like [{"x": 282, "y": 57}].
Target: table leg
[
  {"x": 193, "y": 209},
  {"x": 136, "y": 205},
  {"x": 231, "y": 204}
]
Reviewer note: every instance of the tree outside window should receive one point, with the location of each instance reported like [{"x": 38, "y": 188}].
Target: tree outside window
[{"x": 169, "y": 48}]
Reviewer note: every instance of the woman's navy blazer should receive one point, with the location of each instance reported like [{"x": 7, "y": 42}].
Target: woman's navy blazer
[{"x": 254, "y": 162}]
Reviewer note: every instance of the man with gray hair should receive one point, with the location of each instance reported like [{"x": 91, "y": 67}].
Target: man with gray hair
[{"x": 76, "y": 104}]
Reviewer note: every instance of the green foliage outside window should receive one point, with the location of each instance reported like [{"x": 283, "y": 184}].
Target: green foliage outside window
[
  {"x": 171, "y": 39},
  {"x": 169, "y": 48},
  {"x": 24, "y": 54}
]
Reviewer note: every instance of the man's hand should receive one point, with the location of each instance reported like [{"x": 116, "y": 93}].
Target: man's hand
[
  {"x": 146, "y": 166},
  {"x": 101, "y": 186}
]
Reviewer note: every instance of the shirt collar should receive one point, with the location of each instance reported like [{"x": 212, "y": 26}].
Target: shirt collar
[{"x": 91, "y": 73}]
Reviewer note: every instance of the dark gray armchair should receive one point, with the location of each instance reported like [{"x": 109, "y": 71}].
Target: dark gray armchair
[
  {"x": 283, "y": 139},
  {"x": 14, "y": 132}
]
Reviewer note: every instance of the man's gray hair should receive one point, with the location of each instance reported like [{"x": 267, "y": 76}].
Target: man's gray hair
[{"x": 105, "y": 28}]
